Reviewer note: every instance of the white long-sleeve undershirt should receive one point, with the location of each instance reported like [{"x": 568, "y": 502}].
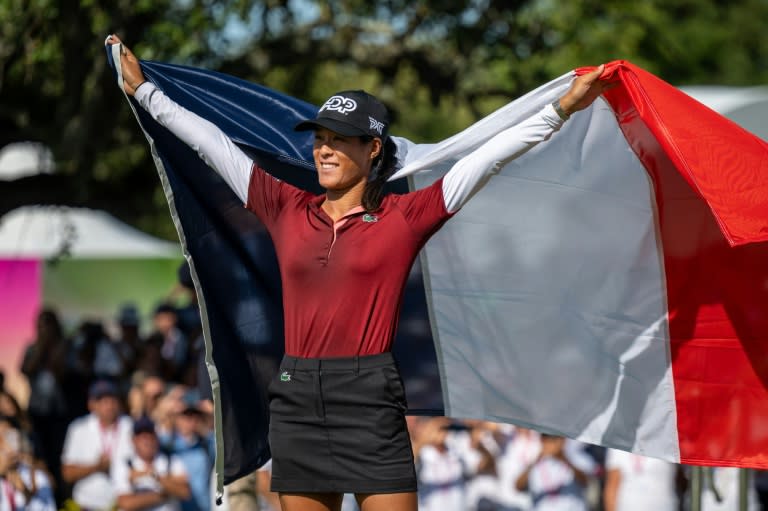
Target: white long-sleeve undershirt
[{"x": 464, "y": 179}]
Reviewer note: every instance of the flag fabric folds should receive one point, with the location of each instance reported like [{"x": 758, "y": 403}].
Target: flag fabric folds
[{"x": 610, "y": 285}]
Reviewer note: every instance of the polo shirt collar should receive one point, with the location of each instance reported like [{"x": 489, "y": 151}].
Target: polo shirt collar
[{"x": 315, "y": 204}]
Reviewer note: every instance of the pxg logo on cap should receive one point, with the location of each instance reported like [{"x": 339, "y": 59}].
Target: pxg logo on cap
[{"x": 350, "y": 113}]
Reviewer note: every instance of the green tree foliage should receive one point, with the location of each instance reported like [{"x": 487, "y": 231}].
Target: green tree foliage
[
  {"x": 438, "y": 64},
  {"x": 55, "y": 88}
]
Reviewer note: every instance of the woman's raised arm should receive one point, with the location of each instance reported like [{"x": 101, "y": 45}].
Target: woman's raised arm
[
  {"x": 473, "y": 171},
  {"x": 212, "y": 144}
]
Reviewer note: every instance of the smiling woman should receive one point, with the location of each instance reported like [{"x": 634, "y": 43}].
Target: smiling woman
[
  {"x": 353, "y": 154},
  {"x": 337, "y": 403},
  {"x": 342, "y": 162}
]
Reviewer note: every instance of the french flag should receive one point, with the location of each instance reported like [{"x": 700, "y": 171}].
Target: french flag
[{"x": 610, "y": 285}]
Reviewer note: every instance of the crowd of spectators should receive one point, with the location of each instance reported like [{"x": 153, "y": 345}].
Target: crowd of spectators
[{"x": 117, "y": 420}]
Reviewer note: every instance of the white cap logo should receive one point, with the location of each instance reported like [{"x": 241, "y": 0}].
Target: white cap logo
[
  {"x": 340, "y": 104},
  {"x": 376, "y": 126}
]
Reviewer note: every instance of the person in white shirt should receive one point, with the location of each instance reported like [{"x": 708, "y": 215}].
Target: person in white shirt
[
  {"x": 32, "y": 492},
  {"x": 479, "y": 447},
  {"x": 23, "y": 487},
  {"x": 638, "y": 483},
  {"x": 440, "y": 467},
  {"x": 90, "y": 445},
  {"x": 148, "y": 480},
  {"x": 557, "y": 478},
  {"x": 519, "y": 452}
]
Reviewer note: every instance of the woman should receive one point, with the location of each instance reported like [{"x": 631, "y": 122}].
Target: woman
[{"x": 337, "y": 405}]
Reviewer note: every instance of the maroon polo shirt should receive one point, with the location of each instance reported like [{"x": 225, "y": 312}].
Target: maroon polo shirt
[{"x": 343, "y": 283}]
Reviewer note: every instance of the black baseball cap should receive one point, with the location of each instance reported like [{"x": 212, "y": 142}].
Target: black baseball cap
[
  {"x": 102, "y": 388},
  {"x": 144, "y": 425},
  {"x": 351, "y": 113},
  {"x": 128, "y": 315}
]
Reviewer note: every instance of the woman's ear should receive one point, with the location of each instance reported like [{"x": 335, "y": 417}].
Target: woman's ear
[{"x": 376, "y": 148}]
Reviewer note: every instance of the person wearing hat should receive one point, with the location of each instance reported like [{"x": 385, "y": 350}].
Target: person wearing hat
[
  {"x": 190, "y": 439},
  {"x": 129, "y": 340},
  {"x": 91, "y": 444},
  {"x": 337, "y": 404},
  {"x": 170, "y": 342},
  {"x": 148, "y": 479}
]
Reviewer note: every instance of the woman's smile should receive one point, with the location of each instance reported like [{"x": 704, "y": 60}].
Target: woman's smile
[{"x": 342, "y": 162}]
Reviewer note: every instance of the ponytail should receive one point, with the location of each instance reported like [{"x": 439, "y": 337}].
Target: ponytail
[{"x": 382, "y": 168}]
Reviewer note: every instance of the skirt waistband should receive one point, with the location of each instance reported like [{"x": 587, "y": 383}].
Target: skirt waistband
[{"x": 337, "y": 363}]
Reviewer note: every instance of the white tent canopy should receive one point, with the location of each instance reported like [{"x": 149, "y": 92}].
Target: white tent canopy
[
  {"x": 21, "y": 159},
  {"x": 42, "y": 232},
  {"x": 746, "y": 106}
]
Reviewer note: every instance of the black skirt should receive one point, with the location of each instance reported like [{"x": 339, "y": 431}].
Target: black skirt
[{"x": 337, "y": 425}]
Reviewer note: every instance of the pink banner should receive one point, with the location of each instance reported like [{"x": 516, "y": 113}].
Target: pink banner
[{"x": 20, "y": 295}]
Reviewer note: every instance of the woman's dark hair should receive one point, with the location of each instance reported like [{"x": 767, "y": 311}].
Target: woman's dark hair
[{"x": 383, "y": 166}]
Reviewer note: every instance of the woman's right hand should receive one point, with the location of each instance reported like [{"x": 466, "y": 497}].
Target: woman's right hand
[{"x": 129, "y": 65}]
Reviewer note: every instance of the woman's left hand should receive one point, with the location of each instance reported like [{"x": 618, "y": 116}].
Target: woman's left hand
[
  {"x": 129, "y": 65},
  {"x": 584, "y": 90}
]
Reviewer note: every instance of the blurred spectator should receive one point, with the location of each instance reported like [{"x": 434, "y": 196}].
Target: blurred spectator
[
  {"x": 251, "y": 492},
  {"x": 519, "y": 452},
  {"x": 81, "y": 361},
  {"x": 169, "y": 406},
  {"x": 190, "y": 323},
  {"x": 761, "y": 486},
  {"x": 478, "y": 446},
  {"x": 240, "y": 495},
  {"x": 440, "y": 468},
  {"x": 557, "y": 478},
  {"x": 173, "y": 345},
  {"x": 115, "y": 359},
  {"x": 349, "y": 502},
  {"x": 9, "y": 407},
  {"x": 192, "y": 443},
  {"x": 637, "y": 483},
  {"x": 91, "y": 444},
  {"x": 189, "y": 320},
  {"x": 150, "y": 360},
  {"x": 82, "y": 352},
  {"x": 23, "y": 486},
  {"x": 148, "y": 478},
  {"x": 129, "y": 322},
  {"x": 720, "y": 491},
  {"x": 268, "y": 500},
  {"x": 45, "y": 366},
  {"x": 145, "y": 395}
]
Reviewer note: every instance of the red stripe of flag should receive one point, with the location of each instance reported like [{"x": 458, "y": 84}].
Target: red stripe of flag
[{"x": 710, "y": 179}]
